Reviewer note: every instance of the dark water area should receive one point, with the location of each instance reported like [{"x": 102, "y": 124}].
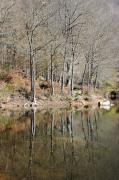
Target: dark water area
[{"x": 60, "y": 145}]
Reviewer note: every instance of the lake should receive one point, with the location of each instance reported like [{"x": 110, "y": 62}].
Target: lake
[{"x": 60, "y": 144}]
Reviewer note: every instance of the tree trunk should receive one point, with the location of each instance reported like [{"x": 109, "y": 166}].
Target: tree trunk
[
  {"x": 72, "y": 71},
  {"x": 62, "y": 76},
  {"x": 47, "y": 73},
  {"x": 52, "y": 81},
  {"x": 95, "y": 82},
  {"x": 72, "y": 80},
  {"x": 83, "y": 77},
  {"x": 89, "y": 77},
  {"x": 33, "y": 80},
  {"x": 32, "y": 73}
]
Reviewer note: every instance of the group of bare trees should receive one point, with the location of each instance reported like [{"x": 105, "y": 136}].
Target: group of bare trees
[
  {"x": 64, "y": 41},
  {"x": 7, "y": 45}
]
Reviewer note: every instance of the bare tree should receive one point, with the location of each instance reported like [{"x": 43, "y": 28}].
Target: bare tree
[
  {"x": 34, "y": 21},
  {"x": 70, "y": 30}
]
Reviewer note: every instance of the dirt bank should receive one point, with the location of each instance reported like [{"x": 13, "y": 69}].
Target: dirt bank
[
  {"x": 17, "y": 102},
  {"x": 15, "y": 94}
]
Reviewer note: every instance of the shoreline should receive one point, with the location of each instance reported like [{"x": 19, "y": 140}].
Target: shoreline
[{"x": 54, "y": 102}]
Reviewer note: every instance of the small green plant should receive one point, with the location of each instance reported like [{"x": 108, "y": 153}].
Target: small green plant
[
  {"x": 7, "y": 67},
  {"x": 8, "y": 87}
]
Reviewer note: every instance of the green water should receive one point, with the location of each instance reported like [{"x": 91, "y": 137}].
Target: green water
[{"x": 60, "y": 145}]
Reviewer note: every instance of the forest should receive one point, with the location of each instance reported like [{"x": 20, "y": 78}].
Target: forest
[
  {"x": 58, "y": 50},
  {"x": 59, "y": 89}
]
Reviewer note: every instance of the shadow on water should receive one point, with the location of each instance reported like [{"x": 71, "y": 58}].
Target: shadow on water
[{"x": 61, "y": 145}]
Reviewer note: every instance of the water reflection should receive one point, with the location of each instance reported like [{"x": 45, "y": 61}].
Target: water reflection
[
  {"x": 60, "y": 145},
  {"x": 29, "y": 175}
]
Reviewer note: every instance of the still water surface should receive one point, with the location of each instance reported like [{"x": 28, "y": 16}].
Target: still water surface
[{"x": 60, "y": 145}]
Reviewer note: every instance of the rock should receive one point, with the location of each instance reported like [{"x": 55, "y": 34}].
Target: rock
[
  {"x": 43, "y": 98},
  {"x": 4, "y": 102},
  {"x": 86, "y": 98},
  {"x": 86, "y": 106},
  {"x": 44, "y": 85},
  {"x": 104, "y": 103},
  {"x": 42, "y": 78},
  {"x": 77, "y": 93},
  {"x": 76, "y": 103}
]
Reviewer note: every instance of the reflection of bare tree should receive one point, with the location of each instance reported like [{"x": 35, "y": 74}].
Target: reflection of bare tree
[
  {"x": 66, "y": 130},
  {"x": 64, "y": 158},
  {"x": 33, "y": 122},
  {"x": 46, "y": 128},
  {"x": 13, "y": 152},
  {"x": 62, "y": 124},
  {"x": 29, "y": 175},
  {"x": 52, "y": 157},
  {"x": 96, "y": 124},
  {"x": 67, "y": 123},
  {"x": 90, "y": 131},
  {"x": 64, "y": 142},
  {"x": 83, "y": 128},
  {"x": 68, "y": 146},
  {"x": 73, "y": 160},
  {"x": 12, "y": 155}
]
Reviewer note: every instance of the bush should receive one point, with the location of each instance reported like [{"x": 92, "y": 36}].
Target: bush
[{"x": 4, "y": 76}]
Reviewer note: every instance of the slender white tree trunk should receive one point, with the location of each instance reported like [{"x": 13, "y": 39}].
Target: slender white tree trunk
[{"x": 32, "y": 72}]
